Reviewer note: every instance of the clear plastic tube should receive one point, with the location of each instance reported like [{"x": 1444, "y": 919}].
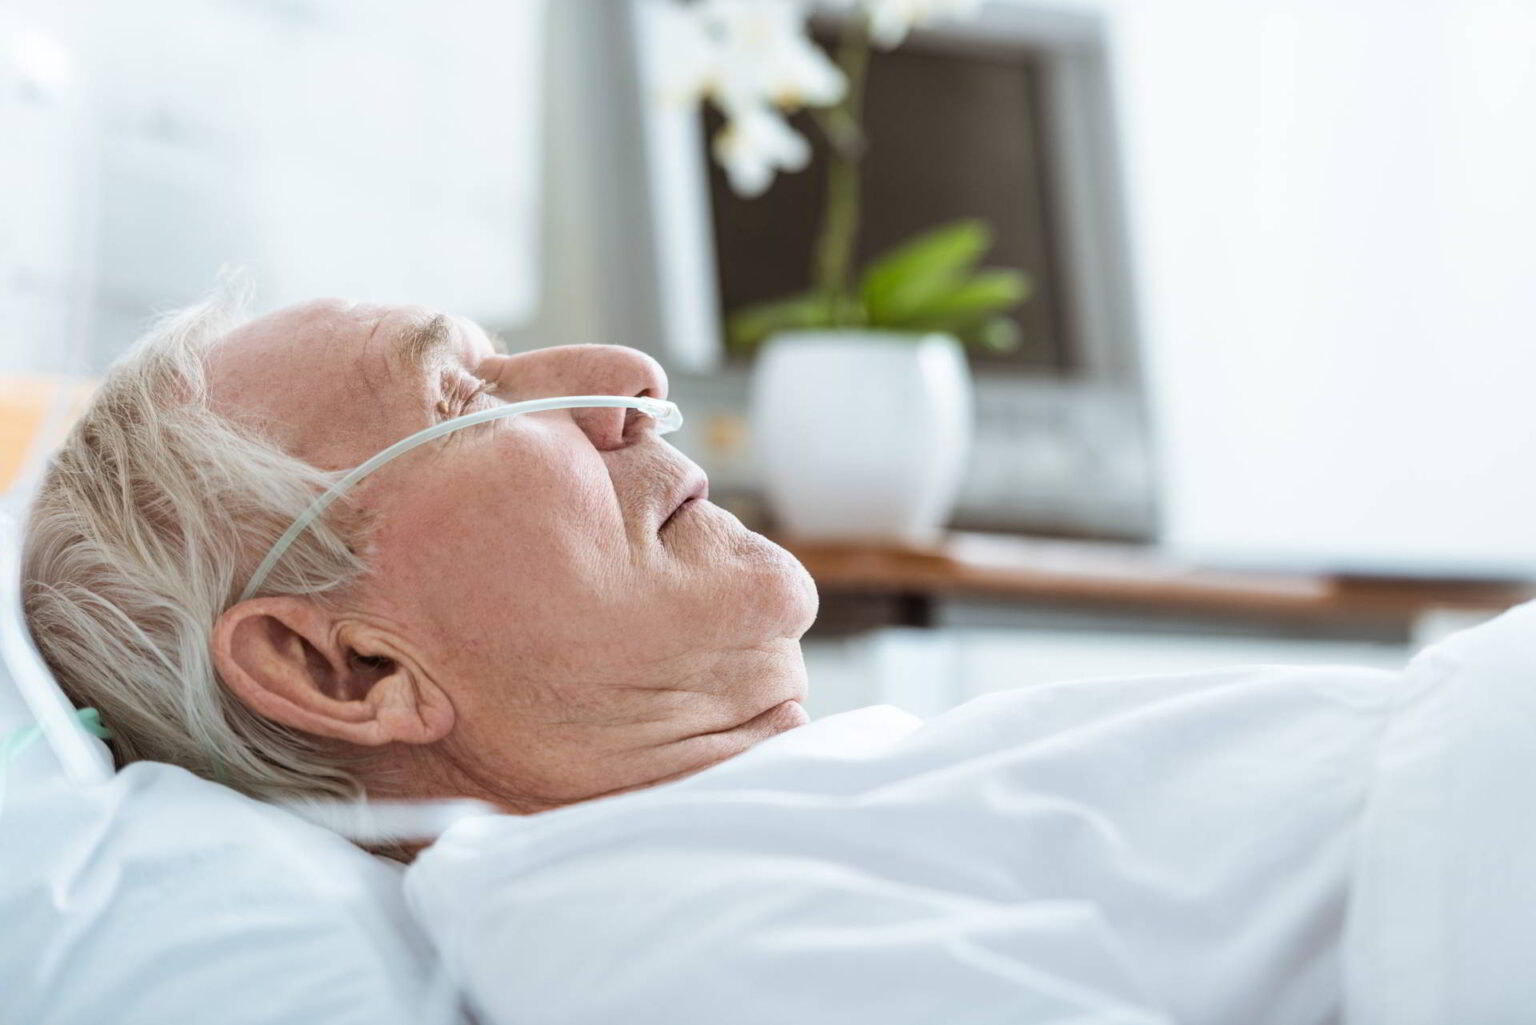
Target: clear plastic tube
[{"x": 666, "y": 414}]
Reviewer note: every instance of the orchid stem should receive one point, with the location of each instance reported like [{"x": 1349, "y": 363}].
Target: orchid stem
[{"x": 839, "y": 233}]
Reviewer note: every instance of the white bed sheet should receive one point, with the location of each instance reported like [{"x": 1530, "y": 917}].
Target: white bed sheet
[
  {"x": 1442, "y": 924},
  {"x": 1174, "y": 848}
]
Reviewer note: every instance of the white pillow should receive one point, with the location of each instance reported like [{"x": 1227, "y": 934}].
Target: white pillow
[
  {"x": 153, "y": 896},
  {"x": 161, "y": 897}
]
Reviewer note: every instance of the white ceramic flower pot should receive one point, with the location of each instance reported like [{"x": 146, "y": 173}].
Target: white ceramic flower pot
[{"x": 862, "y": 435}]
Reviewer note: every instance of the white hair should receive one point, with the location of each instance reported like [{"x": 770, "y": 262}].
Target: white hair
[{"x": 147, "y": 524}]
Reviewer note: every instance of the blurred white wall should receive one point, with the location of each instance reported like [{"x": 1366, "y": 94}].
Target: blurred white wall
[
  {"x": 44, "y": 156},
  {"x": 1332, "y": 204},
  {"x": 376, "y": 149}
]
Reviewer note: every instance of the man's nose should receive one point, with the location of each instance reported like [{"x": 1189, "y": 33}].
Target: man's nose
[{"x": 586, "y": 370}]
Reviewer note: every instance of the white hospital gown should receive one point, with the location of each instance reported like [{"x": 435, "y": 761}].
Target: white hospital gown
[{"x": 1172, "y": 848}]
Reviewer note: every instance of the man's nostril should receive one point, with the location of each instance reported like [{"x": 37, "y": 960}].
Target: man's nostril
[
  {"x": 607, "y": 428},
  {"x": 635, "y": 424}
]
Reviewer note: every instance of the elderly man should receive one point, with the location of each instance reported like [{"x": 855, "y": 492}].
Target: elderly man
[
  {"x": 537, "y": 611},
  {"x": 543, "y": 610}
]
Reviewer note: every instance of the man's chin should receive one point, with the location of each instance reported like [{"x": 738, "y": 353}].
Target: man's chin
[
  {"x": 723, "y": 745},
  {"x": 744, "y": 564},
  {"x": 786, "y": 715}
]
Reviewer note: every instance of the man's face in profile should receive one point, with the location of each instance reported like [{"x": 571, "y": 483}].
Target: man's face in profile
[{"x": 554, "y": 609}]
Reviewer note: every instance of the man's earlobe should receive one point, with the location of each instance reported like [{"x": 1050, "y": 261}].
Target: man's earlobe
[{"x": 291, "y": 661}]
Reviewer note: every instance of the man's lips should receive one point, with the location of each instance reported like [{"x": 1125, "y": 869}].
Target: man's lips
[{"x": 696, "y": 487}]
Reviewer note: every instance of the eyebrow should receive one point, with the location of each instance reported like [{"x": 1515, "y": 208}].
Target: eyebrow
[{"x": 426, "y": 344}]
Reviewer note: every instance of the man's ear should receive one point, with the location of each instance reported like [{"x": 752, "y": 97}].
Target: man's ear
[{"x": 293, "y": 662}]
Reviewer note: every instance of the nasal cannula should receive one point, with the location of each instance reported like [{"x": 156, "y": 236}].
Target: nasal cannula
[{"x": 666, "y": 414}]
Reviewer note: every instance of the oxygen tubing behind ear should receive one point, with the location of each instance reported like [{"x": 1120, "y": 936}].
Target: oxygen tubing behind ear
[
  {"x": 666, "y": 414},
  {"x": 14, "y": 743}
]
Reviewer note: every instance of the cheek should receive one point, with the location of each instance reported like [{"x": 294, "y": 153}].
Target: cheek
[{"x": 517, "y": 534}]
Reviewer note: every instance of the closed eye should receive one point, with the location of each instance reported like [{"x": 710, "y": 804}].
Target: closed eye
[{"x": 461, "y": 396}]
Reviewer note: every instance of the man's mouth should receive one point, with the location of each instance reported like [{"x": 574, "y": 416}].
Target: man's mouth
[{"x": 695, "y": 489}]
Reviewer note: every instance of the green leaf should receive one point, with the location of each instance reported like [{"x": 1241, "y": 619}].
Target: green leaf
[
  {"x": 999, "y": 334},
  {"x": 750, "y": 326},
  {"x": 916, "y": 271},
  {"x": 978, "y": 296}
]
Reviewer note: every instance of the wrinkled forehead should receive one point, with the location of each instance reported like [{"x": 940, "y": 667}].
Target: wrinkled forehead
[{"x": 332, "y": 382}]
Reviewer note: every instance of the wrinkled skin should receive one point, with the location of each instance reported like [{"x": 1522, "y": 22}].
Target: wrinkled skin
[{"x": 533, "y": 630}]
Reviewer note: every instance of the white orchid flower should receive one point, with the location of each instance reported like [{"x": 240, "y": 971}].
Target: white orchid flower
[
  {"x": 740, "y": 52},
  {"x": 688, "y": 64},
  {"x": 765, "y": 54},
  {"x": 890, "y": 21},
  {"x": 757, "y": 143},
  {"x": 753, "y": 59}
]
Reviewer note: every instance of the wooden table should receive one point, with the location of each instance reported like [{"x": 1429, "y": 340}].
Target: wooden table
[{"x": 1130, "y": 578}]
